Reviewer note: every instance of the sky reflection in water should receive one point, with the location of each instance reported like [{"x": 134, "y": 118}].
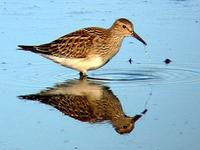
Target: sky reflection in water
[{"x": 170, "y": 92}]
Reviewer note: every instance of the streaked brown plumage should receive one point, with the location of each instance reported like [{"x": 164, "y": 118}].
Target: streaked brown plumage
[
  {"x": 87, "y": 49},
  {"x": 87, "y": 101}
]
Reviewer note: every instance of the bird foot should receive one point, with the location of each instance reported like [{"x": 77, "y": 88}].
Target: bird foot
[{"x": 83, "y": 76}]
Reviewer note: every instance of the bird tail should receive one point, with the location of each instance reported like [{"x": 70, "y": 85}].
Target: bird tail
[{"x": 27, "y": 48}]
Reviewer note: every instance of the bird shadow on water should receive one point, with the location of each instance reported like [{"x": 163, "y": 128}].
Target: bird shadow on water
[
  {"x": 87, "y": 101},
  {"x": 92, "y": 100}
]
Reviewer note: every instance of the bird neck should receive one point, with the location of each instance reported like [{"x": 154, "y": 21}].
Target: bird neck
[
  {"x": 114, "y": 32},
  {"x": 117, "y": 121}
]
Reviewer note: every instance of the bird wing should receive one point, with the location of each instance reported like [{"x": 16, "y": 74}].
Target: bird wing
[
  {"x": 74, "y": 45},
  {"x": 77, "y": 107}
]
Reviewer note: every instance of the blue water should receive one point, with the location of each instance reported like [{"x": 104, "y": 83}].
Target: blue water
[{"x": 170, "y": 92}]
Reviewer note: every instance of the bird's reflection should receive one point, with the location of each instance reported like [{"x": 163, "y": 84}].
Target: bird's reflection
[{"x": 87, "y": 101}]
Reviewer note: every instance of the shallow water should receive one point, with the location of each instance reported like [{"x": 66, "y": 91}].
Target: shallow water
[{"x": 169, "y": 92}]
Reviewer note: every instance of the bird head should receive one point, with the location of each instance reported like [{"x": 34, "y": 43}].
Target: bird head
[
  {"x": 124, "y": 27},
  {"x": 125, "y": 124}
]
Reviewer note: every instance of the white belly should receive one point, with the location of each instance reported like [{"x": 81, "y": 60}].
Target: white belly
[{"x": 80, "y": 64}]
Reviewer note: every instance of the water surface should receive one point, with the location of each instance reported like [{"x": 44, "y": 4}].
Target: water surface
[{"x": 170, "y": 92}]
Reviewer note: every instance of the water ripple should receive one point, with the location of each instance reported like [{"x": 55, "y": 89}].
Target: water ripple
[
  {"x": 150, "y": 75},
  {"x": 32, "y": 76}
]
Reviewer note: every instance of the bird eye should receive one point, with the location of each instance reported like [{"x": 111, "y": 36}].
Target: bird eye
[
  {"x": 125, "y": 127},
  {"x": 124, "y": 26}
]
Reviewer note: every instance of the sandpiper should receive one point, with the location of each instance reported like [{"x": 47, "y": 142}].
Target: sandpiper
[
  {"x": 87, "y": 49},
  {"x": 87, "y": 101}
]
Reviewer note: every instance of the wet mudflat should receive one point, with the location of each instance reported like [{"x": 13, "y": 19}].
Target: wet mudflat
[{"x": 40, "y": 100}]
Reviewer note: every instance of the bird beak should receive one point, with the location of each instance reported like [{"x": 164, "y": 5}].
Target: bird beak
[
  {"x": 135, "y": 118},
  {"x": 135, "y": 35}
]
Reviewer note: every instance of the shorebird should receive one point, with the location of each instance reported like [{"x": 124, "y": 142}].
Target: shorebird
[
  {"x": 88, "y": 48},
  {"x": 87, "y": 101}
]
